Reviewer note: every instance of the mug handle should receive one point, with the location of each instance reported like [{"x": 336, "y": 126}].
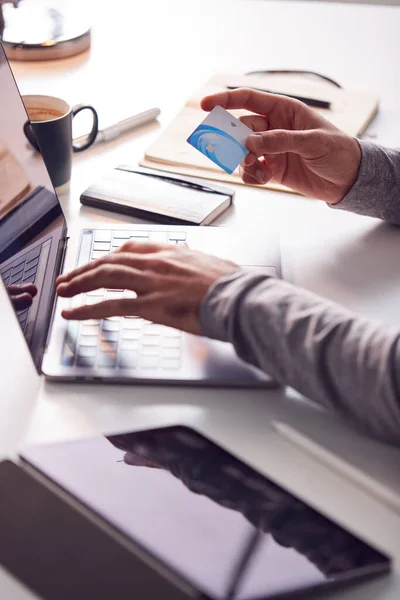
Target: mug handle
[
  {"x": 95, "y": 127},
  {"x": 30, "y": 136}
]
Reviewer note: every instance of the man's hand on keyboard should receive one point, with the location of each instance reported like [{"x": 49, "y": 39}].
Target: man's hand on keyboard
[
  {"x": 170, "y": 282},
  {"x": 22, "y": 295}
]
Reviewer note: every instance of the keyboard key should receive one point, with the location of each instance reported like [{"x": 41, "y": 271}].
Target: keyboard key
[
  {"x": 108, "y": 346},
  {"x": 153, "y": 329},
  {"x": 102, "y": 246},
  {"x": 151, "y": 340},
  {"x": 89, "y": 300},
  {"x": 87, "y": 351},
  {"x": 169, "y": 332},
  {"x": 99, "y": 292},
  {"x": 106, "y": 359},
  {"x": 18, "y": 269},
  {"x": 138, "y": 234},
  {"x": 171, "y": 353},
  {"x": 122, "y": 235},
  {"x": 33, "y": 253},
  {"x": 19, "y": 260},
  {"x": 31, "y": 263},
  {"x": 149, "y": 362},
  {"x": 6, "y": 273},
  {"x": 77, "y": 300},
  {"x": 85, "y": 361},
  {"x": 159, "y": 237},
  {"x": 102, "y": 235},
  {"x": 177, "y": 236},
  {"x": 29, "y": 272},
  {"x": 17, "y": 278},
  {"x": 130, "y": 344},
  {"x": 110, "y": 336},
  {"x": 89, "y": 322},
  {"x": 117, "y": 243},
  {"x": 132, "y": 323},
  {"x": 96, "y": 254},
  {"x": 110, "y": 326},
  {"x": 111, "y": 295},
  {"x": 90, "y": 330},
  {"x": 151, "y": 351},
  {"x": 131, "y": 334},
  {"x": 171, "y": 364},
  {"x": 88, "y": 340},
  {"x": 128, "y": 359},
  {"x": 30, "y": 279},
  {"x": 171, "y": 343}
]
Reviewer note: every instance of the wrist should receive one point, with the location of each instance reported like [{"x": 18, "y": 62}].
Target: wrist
[{"x": 354, "y": 163}]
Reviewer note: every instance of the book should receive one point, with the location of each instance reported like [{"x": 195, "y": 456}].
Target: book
[
  {"x": 350, "y": 111},
  {"x": 163, "y": 198},
  {"x": 15, "y": 184}
]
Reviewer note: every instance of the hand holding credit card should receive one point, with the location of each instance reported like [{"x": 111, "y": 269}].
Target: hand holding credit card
[{"x": 222, "y": 138}]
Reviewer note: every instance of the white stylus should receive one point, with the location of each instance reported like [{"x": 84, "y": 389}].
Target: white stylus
[
  {"x": 114, "y": 131},
  {"x": 374, "y": 488}
]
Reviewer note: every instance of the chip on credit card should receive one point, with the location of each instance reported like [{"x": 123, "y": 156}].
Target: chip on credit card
[{"x": 222, "y": 138}]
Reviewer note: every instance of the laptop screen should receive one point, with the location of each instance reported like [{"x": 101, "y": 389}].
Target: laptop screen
[
  {"x": 31, "y": 219},
  {"x": 224, "y": 528}
]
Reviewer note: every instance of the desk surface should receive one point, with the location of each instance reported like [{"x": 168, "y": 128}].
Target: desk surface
[{"x": 147, "y": 54}]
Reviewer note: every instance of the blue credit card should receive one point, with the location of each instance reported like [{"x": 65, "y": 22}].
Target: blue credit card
[{"x": 221, "y": 138}]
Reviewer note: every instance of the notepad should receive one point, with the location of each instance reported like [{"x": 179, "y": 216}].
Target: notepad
[
  {"x": 159, "y": 197},
  {"x": 351, "y": 111}
]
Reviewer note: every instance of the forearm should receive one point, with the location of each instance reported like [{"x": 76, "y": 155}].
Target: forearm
[
  {"x": 376, "y": 192},
  {"x": 342, "y": 361}
]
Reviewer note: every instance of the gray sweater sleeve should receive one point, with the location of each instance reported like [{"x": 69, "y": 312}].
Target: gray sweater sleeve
[
  {"x": 327, "y": 353},
  {"x": 376, "y": 192},
  {"x": 332, "y": 356}
]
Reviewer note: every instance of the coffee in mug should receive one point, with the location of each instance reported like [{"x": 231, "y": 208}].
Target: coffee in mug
[{"x": 49, "y": 130}]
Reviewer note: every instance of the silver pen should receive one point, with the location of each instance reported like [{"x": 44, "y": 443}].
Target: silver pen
[{"x": 114, "y": 131}]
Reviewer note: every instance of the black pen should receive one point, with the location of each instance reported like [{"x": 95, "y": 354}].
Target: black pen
[{"x": 309, "y": 101}]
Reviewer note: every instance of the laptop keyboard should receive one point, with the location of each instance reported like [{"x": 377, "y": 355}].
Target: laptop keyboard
[
  {"x": 21, "y": 271},
  {"x": 122, "y": 343}
]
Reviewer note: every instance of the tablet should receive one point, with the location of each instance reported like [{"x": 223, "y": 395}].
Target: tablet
[{"x": 221, "y": 528}]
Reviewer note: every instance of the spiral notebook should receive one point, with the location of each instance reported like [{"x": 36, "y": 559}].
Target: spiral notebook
[{"x": 351, "y": 111}]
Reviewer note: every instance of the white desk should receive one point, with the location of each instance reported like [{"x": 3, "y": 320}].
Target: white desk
[{"x": 152, "y": 53}]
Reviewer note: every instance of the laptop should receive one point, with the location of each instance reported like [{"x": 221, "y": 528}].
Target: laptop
[
  {"x": 35, "y": 237},
  {"x": 167, "y": 513}
]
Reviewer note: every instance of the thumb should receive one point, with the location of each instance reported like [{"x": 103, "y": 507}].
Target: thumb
[{"x": 278, "y": 141}]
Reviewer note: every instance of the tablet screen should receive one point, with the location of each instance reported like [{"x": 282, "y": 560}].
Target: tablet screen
[{"x": 216, "y": 522}]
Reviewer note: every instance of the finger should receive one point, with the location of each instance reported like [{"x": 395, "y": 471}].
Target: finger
[
  {"x": 24, "y": 288},
  {"x": 256, "y": 122},
  {"x": 252, "y": 100},
  {"x": 141, "y": 247},
  {"x": 105, "y": 276},
  {"x": 21, "y": 301},
  {"x": 102, "y": 310},
  {"x": 249, "y": 159},
  {"x": 122, "y": 256},
  {"x": 150, "y": 307},
  {"x": 257, "y": 174},
  {"x": 308, "y": 144}
]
